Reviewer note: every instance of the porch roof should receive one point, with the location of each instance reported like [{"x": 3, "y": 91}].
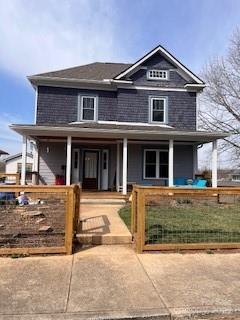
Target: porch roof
[{"x": 116, "y": 131}]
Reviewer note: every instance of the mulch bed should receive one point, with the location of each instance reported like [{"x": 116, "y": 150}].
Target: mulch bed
[{"x": 33, "y": 225}]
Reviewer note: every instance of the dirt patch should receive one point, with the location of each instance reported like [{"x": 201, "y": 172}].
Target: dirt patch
[{"x": 33, "y": 225}]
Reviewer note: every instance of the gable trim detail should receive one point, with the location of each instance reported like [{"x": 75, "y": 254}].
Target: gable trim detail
[{"x": 167, "y": 55}]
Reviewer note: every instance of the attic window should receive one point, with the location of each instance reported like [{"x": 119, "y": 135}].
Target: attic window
[{"x": 158, "y": 74}]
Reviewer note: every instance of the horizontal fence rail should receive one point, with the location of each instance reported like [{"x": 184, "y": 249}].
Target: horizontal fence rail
[
  {"x": 38, "y": 219},
  {"x": 165, "y": 218}
]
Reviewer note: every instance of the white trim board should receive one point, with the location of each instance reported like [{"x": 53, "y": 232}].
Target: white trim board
[{"x": 169, "y": 57}]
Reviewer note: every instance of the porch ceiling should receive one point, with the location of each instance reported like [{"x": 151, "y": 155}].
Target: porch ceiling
[{"x": 116, "y": 132}]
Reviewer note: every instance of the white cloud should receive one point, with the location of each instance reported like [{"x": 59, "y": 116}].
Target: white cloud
[{"x": 38, "y": 36}]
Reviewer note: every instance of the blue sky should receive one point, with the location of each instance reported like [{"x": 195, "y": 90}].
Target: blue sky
[{"x": 38, "y": 36}]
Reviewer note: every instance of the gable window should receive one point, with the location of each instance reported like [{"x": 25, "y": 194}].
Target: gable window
[
  {"x": 158, "y": 109},
  {"x": 155, "y": 164},
  {"x": 88, "y": 108},
  {"x": 158, "y": 74}
]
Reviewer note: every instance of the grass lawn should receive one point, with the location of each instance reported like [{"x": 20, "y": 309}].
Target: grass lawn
[{"x": 189, "y": 223}]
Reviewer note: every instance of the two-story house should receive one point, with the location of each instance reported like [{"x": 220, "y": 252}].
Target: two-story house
[{"x": 108, "y": 125}]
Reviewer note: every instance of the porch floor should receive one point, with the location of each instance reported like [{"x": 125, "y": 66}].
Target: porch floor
[{"x": 100, "y": 223}]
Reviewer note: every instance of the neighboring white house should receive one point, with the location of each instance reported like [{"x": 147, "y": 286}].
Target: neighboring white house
[{"x": 13, "y": 164}]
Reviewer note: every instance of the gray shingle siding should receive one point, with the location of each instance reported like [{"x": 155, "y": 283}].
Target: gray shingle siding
[
  {"x": 60, "y": 105},
  {"x": 159, "y": 63},
  {"x": 133, "y": 106}
]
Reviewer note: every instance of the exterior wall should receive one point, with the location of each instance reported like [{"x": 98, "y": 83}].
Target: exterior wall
[
  {"x": 133, "y": 106},
  {"x": 158, "y": 62},
  {"x": 60, "y": 105},
  {"x": 11, "y": 165},
  {"x": 183, "y": 163},
  {"x": 51, "y": 163}
]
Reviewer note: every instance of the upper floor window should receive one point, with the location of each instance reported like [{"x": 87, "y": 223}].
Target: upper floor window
[
  {"x": 158, "y": 74},
  {"x": 158, "y": 109},
  {"x": 88, "y": 108}
]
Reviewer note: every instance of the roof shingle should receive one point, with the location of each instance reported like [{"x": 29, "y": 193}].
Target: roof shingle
[{"x": 92, "y": 71}]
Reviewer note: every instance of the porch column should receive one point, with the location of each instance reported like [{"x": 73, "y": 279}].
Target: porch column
[
  {"x": 35, "y": 157},
  {"x": 35, "y": 175},
  {"x": 68, "y": 164},
  {"x": 195, "y": 160},
  {"x": 170, "y": 164},
  {"x": 214, "y": 164},
  {"x": 24, "y": 158},
  {"x": 124, "y": 178},
  {"x": 118, "y": 167}
]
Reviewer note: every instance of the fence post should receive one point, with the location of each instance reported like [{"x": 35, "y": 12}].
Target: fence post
[
  {"x": 69, "y": 220},
  {"x": 133, "y": 211},
  {"x": 140, "y": 238},
  {"x": 77, "y": 206}
]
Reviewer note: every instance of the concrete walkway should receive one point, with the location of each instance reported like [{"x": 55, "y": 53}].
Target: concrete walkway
[
  {"x": 101, "y": 224},
  {"x": 112, "y": 282}
]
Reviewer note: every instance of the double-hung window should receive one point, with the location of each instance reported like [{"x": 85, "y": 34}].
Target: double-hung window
[
  {"x": 155, "y": 164},
  {"x": 158, "y": 109},
  {"x": 88, "y": 108}
]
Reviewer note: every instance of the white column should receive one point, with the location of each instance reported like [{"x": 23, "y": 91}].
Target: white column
[
  {"x": 214, "y": 164},
  {"x": 35, "y": 157},
  {"x": 195, "y": 161},
  {"x": 24, "y": 158},
  {"x": 170, "y": 164},
  {"x": 68, "y": 162},
  {"x": 118, "y": 167},
  {"x": 124, "y": 178}
]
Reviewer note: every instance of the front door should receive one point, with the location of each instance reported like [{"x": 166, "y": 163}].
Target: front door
[{"x": 90, "y": 169}]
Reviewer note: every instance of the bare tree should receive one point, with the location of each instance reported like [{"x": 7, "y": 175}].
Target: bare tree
[{"x": 220, "y": 101}]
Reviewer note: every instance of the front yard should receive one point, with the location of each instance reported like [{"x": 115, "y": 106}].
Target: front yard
[{"x": 189, "y": 223}]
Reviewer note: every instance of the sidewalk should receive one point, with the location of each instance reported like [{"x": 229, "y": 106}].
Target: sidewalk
[{"x": 112, "y": 282}]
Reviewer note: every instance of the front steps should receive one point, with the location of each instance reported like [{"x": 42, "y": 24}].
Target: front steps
[{"x": 100, "y": 222}]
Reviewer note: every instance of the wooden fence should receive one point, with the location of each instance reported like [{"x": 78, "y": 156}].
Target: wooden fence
[
  {"x": 138, "y": 214},
  {"x": 71, "y": 196},
  {"x": 11, "y": 177}
]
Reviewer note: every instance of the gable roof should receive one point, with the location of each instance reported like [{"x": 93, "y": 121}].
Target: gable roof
[
  {"x": 108, "y": 72},
  {"x": 168, "y": 56},
  {"x": 92, "y": 71},
  {"x": 3, "y": 152},
  {"x": 18, "y": 155}
]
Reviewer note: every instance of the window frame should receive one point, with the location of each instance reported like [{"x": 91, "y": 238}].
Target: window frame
[
  {"x": 165, "y": 109},
  {"x": 234, "y": 177},
  {"x": 80, "y": 107},
  {"x": 149, "y": 77},
  {"x": 157, "y": 164}
]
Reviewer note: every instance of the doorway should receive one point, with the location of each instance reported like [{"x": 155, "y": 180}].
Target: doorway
[{"x": 90, "y": 169}]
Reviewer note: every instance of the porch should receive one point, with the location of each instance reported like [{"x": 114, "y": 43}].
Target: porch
[{"x": 109, "y": 157}]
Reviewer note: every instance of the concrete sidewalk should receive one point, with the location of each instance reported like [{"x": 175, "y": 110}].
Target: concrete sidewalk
[{"x": 112, "y": 282}]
